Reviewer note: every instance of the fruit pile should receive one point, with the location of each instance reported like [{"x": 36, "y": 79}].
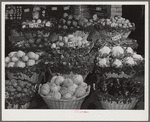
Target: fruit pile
[
  {"x": 18, "y": 92},
  {"x": 33, "y": 39},
  {"x": 117, "y": 22},
  {"x": 69, "y": 61},
  {"x": 118, "y": 59},
  {"x": 21, "y": 59},
  {"x": 69, "y": 21},
  {"x": 65, "y": 87},
  {"x": 77, "y": 39},
  {"x": 39, "y": 23}
]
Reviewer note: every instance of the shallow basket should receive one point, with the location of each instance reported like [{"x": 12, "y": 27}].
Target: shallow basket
[
  {"x": 36, "y": 78},
  {"x": 114, "y": 35},
  {"x": 64, "y": 104},
  {"x": 16, "y": 38},
  {"x": 119, "y": 105}
]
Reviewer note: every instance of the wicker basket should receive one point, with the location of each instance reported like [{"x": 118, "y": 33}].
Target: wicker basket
[
  {"x": 36, "y": 78},
  {"x": 114, "y": 35},
  {"x": 120, "y": 105},
  {"x": 16, "y": 38},
  {"x": 64, "y": 104}
]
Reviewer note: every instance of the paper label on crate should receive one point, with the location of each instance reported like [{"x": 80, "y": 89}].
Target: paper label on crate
[
  {"x": 116, "y": 37},
  {"x": 26, "y": 10},
  {"x": 72, "y": 44},
  {"x": 54, "y": 8}
]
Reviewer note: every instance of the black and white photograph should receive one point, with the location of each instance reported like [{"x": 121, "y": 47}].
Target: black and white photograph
[{"x": 75, "y": 60}]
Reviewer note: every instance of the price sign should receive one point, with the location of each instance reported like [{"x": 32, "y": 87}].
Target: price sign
[
  {"x": 116, "y": 37},
  {"x": 72, "y": 44},
  {"x": 54, "y": 8}
]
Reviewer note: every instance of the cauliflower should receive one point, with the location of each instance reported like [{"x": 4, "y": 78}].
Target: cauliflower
[
  {"x": 11, "y": 64},
  {"x": 117, "y": 51},
  {"x": 80, "y": 91},
  {"x": 137, "y": 57},
  {"x": 20, "y": 53},
  {"x": 12, "y": 54},
  {"x": 25, "y": 58},
  {"x": 67, "y": 82},
  {"x": 7, "y": 59},
  {"x": 37, "y": 57},
  {"x": 45, "y": 89},
  {"x": 64, "y": 90},
  {"x": 54, "y": 87},
  {"x": 14, "y": 59},
  {"x": 105, "y": 50},
  {"x": 103, "y": 62},
  {"x": 59, "y": 80},
  {"x": 55, "y": 95},
  {"x": 20, "y": 64},
  {"x": 53, "y": 79},
  {"x": 67, "y": 96},
  {"x": 84, "y": 85},
  {"x": 117, "y": 63},
  {"x": 72, "y": 88},
  {"x": 30, "y": 62},
  {"x": 79, "y": 43},
  {"x": 129, "y": 50},
  {"x": 31, "y": 55},
  {"x": 129, "y": 61},
  {"x": 77, "y": 79}
]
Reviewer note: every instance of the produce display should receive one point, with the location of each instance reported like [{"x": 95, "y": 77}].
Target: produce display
[
  {"x": 55, "y": 55},
  {"x": 75, "y": 22},
  {"x": 118, "y": 67},
  {"x": 118, "y": 62},
  {"x": 64, "y": 91},
  {"x": 64, "y": 87},
  {"x": 18, "y": 93},
  {"x": 22, "y": 73},
  {"x": 115, "y": 27}
]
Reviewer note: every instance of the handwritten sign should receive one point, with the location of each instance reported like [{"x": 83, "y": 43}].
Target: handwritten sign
[{"x": 116, "y": 37}]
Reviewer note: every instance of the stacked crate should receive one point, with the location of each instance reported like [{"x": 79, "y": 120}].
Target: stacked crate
[{"x": 116, "y": 10}]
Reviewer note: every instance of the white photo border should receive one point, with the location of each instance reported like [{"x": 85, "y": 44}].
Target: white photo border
[{"x": 77, "y": 115}]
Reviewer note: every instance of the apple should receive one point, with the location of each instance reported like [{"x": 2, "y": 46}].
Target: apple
[
  {"x": 38, "y": 40},
  {"x": 74, "y": 23},
  {"x": 81, "y": 23},
  {"x": 65, "y": 15},
  {"x": 31, "y": 41},
  {"x": 85, "y": 20},
  {"x": 27, "y": 45},
  {"x": 65, "y": 27},
  {"x": 70, "y": 17},
  {"x": 68, "y": 22}
]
